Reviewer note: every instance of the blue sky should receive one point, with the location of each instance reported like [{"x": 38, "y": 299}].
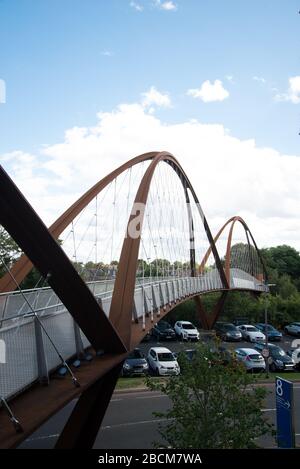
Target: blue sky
[
  {"x": 98, "y": 81},
  {"x": 57, "y": 76}
]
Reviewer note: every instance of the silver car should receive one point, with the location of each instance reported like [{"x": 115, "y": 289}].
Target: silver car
[
  {"x": 293, "y": 328},
  {"x": 251, "y": 359}
]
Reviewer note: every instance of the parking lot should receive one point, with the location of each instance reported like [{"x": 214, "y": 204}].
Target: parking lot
[{"x": 177, "y": 345}]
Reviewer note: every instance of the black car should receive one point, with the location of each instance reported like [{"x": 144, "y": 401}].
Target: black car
[
  {"x": 135, "y": 364},
  {"x": 163, "y": 331},
  {"x": 227, "y": 331},
  {"x": 278, "y": 358}
]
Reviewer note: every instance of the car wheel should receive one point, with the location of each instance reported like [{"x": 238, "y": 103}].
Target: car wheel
[
  {"x": 181, "y": 338},
  {"x": 286, "y": 331},
  {"x": 157, "y": 372}
]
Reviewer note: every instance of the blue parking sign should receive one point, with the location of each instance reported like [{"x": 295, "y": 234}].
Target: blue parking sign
[{"x": 285, "y": 413}]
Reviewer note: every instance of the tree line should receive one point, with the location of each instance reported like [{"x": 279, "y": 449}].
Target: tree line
[{"x": 282, "y": 265}]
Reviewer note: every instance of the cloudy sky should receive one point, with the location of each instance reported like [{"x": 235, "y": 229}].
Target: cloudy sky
[{"x": 85, "y": 85}]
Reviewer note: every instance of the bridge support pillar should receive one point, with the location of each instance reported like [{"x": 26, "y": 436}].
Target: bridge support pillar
[
  {"x": 218, "y": 309},
  {"x": 81, "y": 429},
  {"x": 78, "y": 341},
  {"x": 201, "y": 312},
  {"x": 40, "y": 353}
]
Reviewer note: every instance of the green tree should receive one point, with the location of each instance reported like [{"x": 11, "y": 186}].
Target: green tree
[
  {"x": 286, "y": 287},
  {"x": 9, "y": 250},
  {"x": 285, "y": 259},
  {"x": 213, "y": 406}
]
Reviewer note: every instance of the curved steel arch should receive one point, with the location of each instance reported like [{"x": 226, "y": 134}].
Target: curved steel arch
[
  {"x": 233, "y": 221},
  {"x": 122, "y": 299}
]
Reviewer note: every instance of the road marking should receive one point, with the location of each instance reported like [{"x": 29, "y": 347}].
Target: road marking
[
  {"x": 151, "y": 397},
  {"x": 131, "y": 424},
  {"x": 36, "y": 438},
  {"x": 116, "y": 400},
  {"x": 267, "y": 410}
]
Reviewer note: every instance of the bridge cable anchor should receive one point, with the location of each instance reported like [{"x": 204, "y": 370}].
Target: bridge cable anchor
[{"x": 17, "y": 426}]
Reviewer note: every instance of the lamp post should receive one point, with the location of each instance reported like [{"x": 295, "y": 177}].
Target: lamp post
[{"x": 266, "y": 329}]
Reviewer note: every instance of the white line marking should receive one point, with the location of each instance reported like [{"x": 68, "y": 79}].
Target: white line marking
[
  {"x": 151, "y": 397},
  {"x": 56, "y": 435},
  {"x": 131, "y": 424}
]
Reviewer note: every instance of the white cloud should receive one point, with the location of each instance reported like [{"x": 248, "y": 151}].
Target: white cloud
[
  {"x": 293, "y": 92},
  {"x": 156, "y": 98},
  {"x": 107, "y": 53},
  {"x": 167, "y": 5},
  {"x": 259, "y": 79},
  {"x": 136, "y": 6},
  {"x": 230, "y": 176},
  {"x": 209, "y": 92}
]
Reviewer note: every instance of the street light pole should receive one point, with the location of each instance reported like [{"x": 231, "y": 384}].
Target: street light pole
[{"x": 266, "y": 330}]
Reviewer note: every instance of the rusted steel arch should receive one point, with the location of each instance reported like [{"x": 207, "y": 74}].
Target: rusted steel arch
[
  {"x": 123, "y": 294},
  {"x": 23, "y": 266},
  {"x": 233, "y": 221}
]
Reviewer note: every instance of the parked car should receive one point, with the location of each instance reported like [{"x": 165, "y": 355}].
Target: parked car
[
  {"x": 135, "y": 364},
  {"x": 163, "y": 362},
  {"x": 219, "y": 355},
  {"x": 294, "y": 353},
  {"x": 251, "y": 359},
  {"x": 163, "y": 330},
  {"x": 227, "y": 331},
  {"x": 251, "y": 333},
  {"x": 185, "y": 330},
  {"x": 278, "y": 358},
  {"x": 293, "y": 328},
  {"x": 273, "y": 334}
]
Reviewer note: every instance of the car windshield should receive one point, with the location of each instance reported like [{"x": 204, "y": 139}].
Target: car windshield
[
  {"x": 135, "y": 354},
  {"x": 188, "y": 326},
  {"x": 251, "y": 329},
  {"x": 269, "y": 328},
  {"x": 277, "y": 352},
  {"x": 166, "y": 357},
  {"x": 163, "y": 326},
  {"x": 228, "y": 327}
]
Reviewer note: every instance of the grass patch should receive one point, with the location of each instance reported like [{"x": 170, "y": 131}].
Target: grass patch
[
  {"x": 289, "y": 375},
  {"x": 127, "y": 383},
  {"x": 135, "y": 383}
]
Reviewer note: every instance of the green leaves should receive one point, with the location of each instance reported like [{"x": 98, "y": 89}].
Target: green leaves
[{"x": 213, "y": 405}]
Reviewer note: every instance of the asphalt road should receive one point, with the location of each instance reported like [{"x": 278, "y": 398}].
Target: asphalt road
[{"x": 129, "y": 422}]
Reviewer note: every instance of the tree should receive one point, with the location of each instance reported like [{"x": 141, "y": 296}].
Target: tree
[
  {"x": 285, "y": 259},
  {"x": 9, "y": 250},
  {"x": 213, "y": 405}
]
